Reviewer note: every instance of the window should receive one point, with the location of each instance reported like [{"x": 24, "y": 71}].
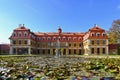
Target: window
[
  {"x": 98, "y": 34},
  {"x": 20, "y": 34},
  {"x": 49, "y": 38},
  {"x": 104, "y": 42},
  {"x": 20, "y": 42},
  {"x": 74, "y": 51},
  {"x": 14, "y": 42},
  {"x": 54, "y": 44},
  {"x": 43, "y": 38},
  {"x": 92, "y": 42},
  {"x": 38, "y": 45},
  {"x": 98, "y": 50},
  {"x": 69, "y": 38},
  {"x": 74, "y": 44},
  {"x": 74, "y": 38},
  {"x": 79, "y": 38},
  {"x": 103, "y": 50},
  {"x": 69, "y": 44},
  {"x": 25, "y": 42},
  {"x": 59, "y": 38},
  {"x": 80, "y": 44},
  {"x": 54, "y": 38},
  {"x": 92, "y": 34},
  {"x": 103, "y": 34},
  {"x": 14, "y": 50},
  {"x": 92, "y": 50},
  {"x": 14, "y": 34},
  {"x": 49, "y": 44},
  {"x": 48, "y": 51},
  {"x": 80, "y": 51},
  {"x": 98, "y": 42},
  {"x": 66, "y": 44},
  {"x": 64, "y": 38},
  {"x": 43, "y": 51},
  {"x": 25, "y": 34},
  {"x": 38, "y": 38},
  {"x": 69, "y": 51}
]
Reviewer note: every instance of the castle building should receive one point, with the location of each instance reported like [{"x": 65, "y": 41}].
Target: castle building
[{"x": 23, "y": 41}]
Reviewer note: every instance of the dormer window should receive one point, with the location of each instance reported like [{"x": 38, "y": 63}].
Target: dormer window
[
  {"x": 25, "y": 34},
  {"x": 103, "y": 34},
  {"x": 69, "y": 38},
  {"x": 59, "y": 38},
  {"x": 92, "y": 34},
  {"x": 54, "y": 38},
  {"x": 79, "y": 38},
  {"x": 38, "y": 38},
  {"x": 49, "y": 38},
  {"x": 64, "y": 38},
  {"x": 74, "y": 38},
  {"x": 98, "y": 34},
  {"x": 14, "y": 34},
  {"x": 20, "y": 34},
  {"x": 43, "y": 38}
]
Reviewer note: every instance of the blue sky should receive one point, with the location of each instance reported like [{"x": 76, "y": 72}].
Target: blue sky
[{"x": 47, "y": 15}]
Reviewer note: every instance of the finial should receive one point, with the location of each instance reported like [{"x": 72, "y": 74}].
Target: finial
[
  {"x": 95, "y": 25},
  {"x": 19, "y": 25},
  {"x": 23, "y": 25}
]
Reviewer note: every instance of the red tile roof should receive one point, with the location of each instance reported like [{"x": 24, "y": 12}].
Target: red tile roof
[
  {"x": 4, "y": 46},
  {"x": 96, "y": 28},
  {"x": 55, "y": 33},
  {"x": 21, "y": 27}
]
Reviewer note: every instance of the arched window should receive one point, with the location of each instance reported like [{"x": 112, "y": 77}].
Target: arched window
[
  {"x": 38, "y": 38},
  {"x": 74, "y": 38},
  {"x": 59, "y": 38},
  {"x": 79, "y": 38},
  {"x": 69, "y": 38},
  {"x": 43, "y": 38},
  {"x": 49, "y": 38},
  {"x": 25, "y": 34},
  {"x": 14, "y": 34},
  {"x": 64, "y": 38},
  {"x": 54, "y": 38},
  {"x": 19, "y": 34},
  {"x": 92, "y": 34},
  {"x": 98, "y": 34},
  {"x": 103, "y": 34}
]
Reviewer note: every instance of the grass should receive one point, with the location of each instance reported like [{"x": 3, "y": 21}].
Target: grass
[{"x": 87, "y": 56}]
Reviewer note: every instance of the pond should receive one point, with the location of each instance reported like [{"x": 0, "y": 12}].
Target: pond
[{"x": 62, "y": 68}]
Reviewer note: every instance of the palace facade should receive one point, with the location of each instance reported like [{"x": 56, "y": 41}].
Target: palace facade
[{"x": 24, "y": 41}]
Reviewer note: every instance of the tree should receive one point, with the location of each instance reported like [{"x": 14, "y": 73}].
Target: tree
[
  {"x": 118, "y": 51},
  {"x": 114, "y": 32},
  {"x": 112, "y": 38}
]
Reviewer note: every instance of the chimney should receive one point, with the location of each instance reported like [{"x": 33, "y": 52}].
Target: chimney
[
  {"x": 23, "y": 25},
  {"x": 20, "y": 25}
]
